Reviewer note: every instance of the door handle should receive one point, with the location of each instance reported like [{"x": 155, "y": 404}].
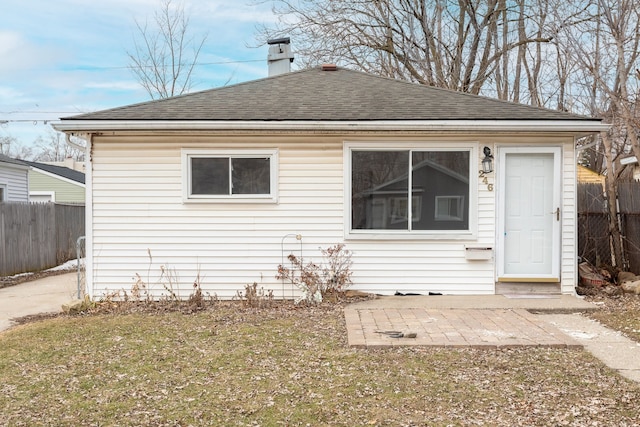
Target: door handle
[{"x": 557, "y": 212}]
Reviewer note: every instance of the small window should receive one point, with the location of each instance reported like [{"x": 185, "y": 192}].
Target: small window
[
  {"x": 400, "y": 211},
  {"x": 42, "y": 196},
  {"x": 229, "y": 176},
  {"x": 3, "y": 193},
  {"x": 449, "y": 208}
]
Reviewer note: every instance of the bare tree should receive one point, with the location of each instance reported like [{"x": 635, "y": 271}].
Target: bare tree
[
  {"x": 54, "y": 148},
  {"x": 460, "y": 45},
  {"x": 165, "y": 54},
  {"x": 605, "y": 52},
  {"x": 9, "y": 146},
  {"x": 580, "y": 56},
  {"x": 5, "y": 144}
]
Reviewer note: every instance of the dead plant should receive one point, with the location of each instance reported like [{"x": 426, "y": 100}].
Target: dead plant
[
  {"x": 316, "y": 281},
  {"x": 254, "y": 297}
]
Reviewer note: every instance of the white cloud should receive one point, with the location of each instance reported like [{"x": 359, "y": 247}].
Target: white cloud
[
  {"x": 19, "y": 54},
  {"x": 113, "y": 85},
  {"x": 9, "y": 93},
  {"x": 65, "y": 56},
  {"x": 10, "y": 41}
]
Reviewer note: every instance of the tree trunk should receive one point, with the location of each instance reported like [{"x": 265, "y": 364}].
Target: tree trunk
[{"x": 612, "y": 204}]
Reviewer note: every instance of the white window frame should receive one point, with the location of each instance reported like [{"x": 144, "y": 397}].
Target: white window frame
[
  {"x": 50, "y": 194},
  {"x": 3, "y": 192},
  {"x": 187, "y": 196},
  {"x": 459, "y": 201},
  {"x": 369, "y": 234},
  {"x": 399, "y": 209}
]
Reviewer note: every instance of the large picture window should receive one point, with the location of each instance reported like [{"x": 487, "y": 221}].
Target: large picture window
[
  {"x": 412, "y": 190},
  {"x": 229, "y": 176}
]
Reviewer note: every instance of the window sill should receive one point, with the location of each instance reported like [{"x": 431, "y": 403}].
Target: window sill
[
  {"x": 380, "y": 235},
  {"x": 230, "y": 200}
]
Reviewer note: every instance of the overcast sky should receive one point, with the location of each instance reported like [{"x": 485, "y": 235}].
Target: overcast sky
[{"x": 64, "y": 57}]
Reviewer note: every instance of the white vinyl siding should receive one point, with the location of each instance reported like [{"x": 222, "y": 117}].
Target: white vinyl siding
[
  {"x": 14, "y": 180},
  {"x": 138, "y": 207},
  {"x": 569, "y": 214},
  {"x": 140, "y": 222}
]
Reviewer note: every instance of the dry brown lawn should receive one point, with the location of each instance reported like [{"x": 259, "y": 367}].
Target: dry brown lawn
[{"x": 233, "y": 366}]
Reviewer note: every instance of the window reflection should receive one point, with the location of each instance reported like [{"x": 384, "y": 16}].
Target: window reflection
[{"x": 439, "y": 190}]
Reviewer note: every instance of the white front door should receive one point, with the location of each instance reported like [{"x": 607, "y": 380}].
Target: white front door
[{"x": 529, "y": 214}]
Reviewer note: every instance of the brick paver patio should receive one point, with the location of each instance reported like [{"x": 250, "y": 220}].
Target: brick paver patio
[{"x": 477, "y": 328}]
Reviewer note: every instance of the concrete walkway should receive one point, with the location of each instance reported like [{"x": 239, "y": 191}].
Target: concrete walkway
[
  {"x": 611, "y": 347},
  {"x": 44, "y": 295}
]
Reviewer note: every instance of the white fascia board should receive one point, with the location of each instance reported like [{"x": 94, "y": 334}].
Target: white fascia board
[{"x": 573, "y": 126}]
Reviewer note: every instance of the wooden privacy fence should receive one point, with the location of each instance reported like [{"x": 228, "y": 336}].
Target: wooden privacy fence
[
  {"x": 629, "y": 206},
  {"x": 593, "y": 225},
  {"x": 594, "y": 239},
  {"x": 37, "y": 236}
]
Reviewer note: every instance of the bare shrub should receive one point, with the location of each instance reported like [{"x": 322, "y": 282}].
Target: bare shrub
[
  {"x": 337, "y": 268},
  {"x": 254, "y": 297},
  {"x": 316, "y": 281}
]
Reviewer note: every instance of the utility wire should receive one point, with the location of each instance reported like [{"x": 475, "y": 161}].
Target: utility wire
[{"x": 126, "y": 67}]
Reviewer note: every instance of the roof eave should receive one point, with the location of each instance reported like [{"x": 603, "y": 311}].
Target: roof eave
[
  {"x": 16, "y": 166},
  {"x": 572, "y": 126}
]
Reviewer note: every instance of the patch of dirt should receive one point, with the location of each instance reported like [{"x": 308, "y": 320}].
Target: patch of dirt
[
  {"x": 618, "y": 301},
  {"x": 196, "y": 304},
  {"x": 35, "y": 318}
]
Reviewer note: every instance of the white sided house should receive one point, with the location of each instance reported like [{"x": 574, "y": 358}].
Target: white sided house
[
  {"x": 14, "y": 180},
  {"x": 219, "y": 184}
]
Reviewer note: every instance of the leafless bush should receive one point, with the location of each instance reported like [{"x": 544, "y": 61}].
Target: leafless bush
[
  {"x": 255, "y": 297},
  {"x": 316, "y": 281}
]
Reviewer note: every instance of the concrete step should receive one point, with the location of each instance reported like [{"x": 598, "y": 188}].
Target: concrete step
[{"x": 527, "y": 288}]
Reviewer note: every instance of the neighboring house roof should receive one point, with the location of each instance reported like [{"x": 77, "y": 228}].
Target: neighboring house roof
[
  {"x": 425, "y": 163},
  {"x": 62, "y": 171},
  {"x": 11, "y": 161},
  {"x": 314, "y": 95}
]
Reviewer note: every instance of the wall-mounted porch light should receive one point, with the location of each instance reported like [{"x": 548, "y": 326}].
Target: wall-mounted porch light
[
  {"x": 487, "y": 167},
  {"x": 487, "y": 162}
]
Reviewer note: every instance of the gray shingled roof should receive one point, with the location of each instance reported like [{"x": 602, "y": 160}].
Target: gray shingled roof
[
  {"x": 7, "y": 159},
  {"x": 62, "y": 171},
  {"x": 317, "y": 95}
]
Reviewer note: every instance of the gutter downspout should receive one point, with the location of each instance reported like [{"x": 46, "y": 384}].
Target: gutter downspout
[
  {"x": 73, "y": 144},
  {"x": 88, "y": 209}
]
